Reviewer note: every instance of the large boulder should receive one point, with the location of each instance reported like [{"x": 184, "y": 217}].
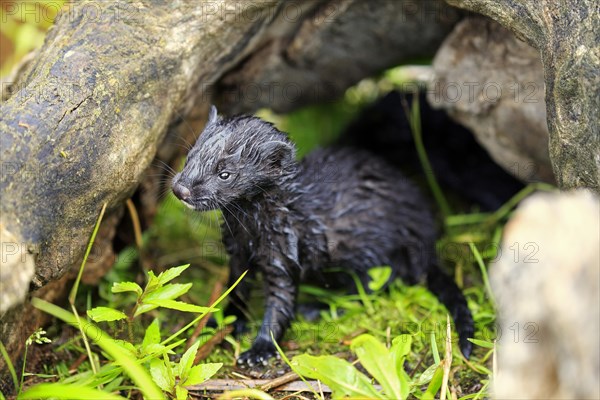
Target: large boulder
[
  {"x": 566, "y": 34},
  {"x": 493, "y": 83},
  {"x": 547, "y": 285}
]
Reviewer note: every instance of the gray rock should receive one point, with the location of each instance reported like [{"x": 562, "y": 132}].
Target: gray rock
[
  {"x": 547, "y": 287},
  {"x": 493, "y": 83},
  {"x": 16, "y": 270},
  {"x": 315, "y": 58},
  {"x": 566, "y": 34}
]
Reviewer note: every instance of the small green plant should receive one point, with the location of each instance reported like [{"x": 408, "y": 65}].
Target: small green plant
[
  {"x": 38, "y": 337},
  {"x": 146, "y": 364},
  {"x": 386, "y": 366},
  {"x": 157, "y": 293},
  {"x": 164, "y": 372}
]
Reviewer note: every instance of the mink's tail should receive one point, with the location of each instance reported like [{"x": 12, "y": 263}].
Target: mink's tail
[{"x": 444, "y": 287}]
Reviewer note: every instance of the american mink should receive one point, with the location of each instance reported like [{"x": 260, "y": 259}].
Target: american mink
[{"x": 339, "y": 208}]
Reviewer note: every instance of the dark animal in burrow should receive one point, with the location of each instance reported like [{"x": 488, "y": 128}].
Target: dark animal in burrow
[{"x": 339, "y": 209}]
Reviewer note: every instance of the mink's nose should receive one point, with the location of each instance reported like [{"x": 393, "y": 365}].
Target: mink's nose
[{"x": 181, "y": 192}]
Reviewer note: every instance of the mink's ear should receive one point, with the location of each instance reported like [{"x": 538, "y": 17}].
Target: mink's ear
[
  {"x": 212, "y": 115},
  {"x": 279, "y": 154}
]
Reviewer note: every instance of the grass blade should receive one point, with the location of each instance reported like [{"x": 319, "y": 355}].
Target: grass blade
[
  {"x": 484, "y": 274},
  {"x": 289, "y": 364},
  {"x": 434, "y": 349},
  {"x": 10, "y": 366},
  {"x": 376, "y": 359},
  {"x": 414, "y": 118},
  {"x": 73, "y": 293},
  {"x": 62, "y": 391},
  {"x": 516, "y": 199},
  {"x": 75, "y": 288},
  {"x": 447, "y": 363},
  {"x": 199, "y": 317}
]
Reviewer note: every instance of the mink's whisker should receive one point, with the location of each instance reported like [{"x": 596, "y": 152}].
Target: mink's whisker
[{"x": 238, "y": 220}]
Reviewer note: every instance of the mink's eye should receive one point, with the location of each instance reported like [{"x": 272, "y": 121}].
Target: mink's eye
[{"x": 224, "y": 176}]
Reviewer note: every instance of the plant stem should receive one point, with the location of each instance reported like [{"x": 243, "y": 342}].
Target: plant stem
[
  {"x": 483, "y": 270},
  {"x": 75, "y": 288},
  {"x": 198, "y": 318},
  {"x": 516, "y": 199},
  {"x": 86, "y": 255},
  {"x": 414, "y": 117},
  {"x": 23, "y": 369}
]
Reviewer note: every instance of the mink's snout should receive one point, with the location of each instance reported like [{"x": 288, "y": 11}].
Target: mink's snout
[{"x": 181, "y": 191}]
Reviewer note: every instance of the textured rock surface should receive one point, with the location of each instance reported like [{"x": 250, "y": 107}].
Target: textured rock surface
[
  {"x": 566, "y": 34},
  {"x": 339, "y": 44},
  {"x": 547, "y": 287},
  {"x": 84, "y": 119},
  {"x": 493, "y": 83},
  {"x": 16, "y": 270}
]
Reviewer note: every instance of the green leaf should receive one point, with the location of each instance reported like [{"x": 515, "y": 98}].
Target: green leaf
[
  {"x": 187, "y": 360},
  {"x": 125, "y": 259},
  {"x": 228, "y": 320},
  {"x": 180, "y": 305},
  {"x": 120, "y": 287},
  {"x": 400, "y": 349},
  {"x": 152, "y": 334},
  {"x": 153, "y": 282},
  {"x": 401, "y": 345},
  {"x": 9, "y": 365},
  {"x": 113, "y": 385},
  {"x": 156, "y": 349},
  {"x": 375, "y": 357},
  {"x": 160, "y": 375},
  {"x": 168, "y": 292},
  {"x": 100, "y": 314},
  {"x": 426, "y": 376},
  {"x": 199, "y": 317},
  {"x": 379, "y": 277},
  {"x": 181, "y": 393},
  {"x": 171, "y": 274},
  {"x": 144, "y": 308},
  {"x": 434, "y": 385},
  {"x": 64, "y": 391},
  {"x": 134, "y": 370},
  {"x": 200, "y": 373},
  {"x": 434, "y": 348},
  {"x": 482, "y": 343},
  {"x": 126, "y": 346},
  {"x": 338, "y": 374}
]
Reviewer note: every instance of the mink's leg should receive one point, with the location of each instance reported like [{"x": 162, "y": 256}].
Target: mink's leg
[{"x": 281, "y": 282}]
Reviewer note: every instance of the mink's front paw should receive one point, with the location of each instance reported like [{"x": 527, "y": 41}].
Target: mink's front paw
[{"x": 259, "y": 354}]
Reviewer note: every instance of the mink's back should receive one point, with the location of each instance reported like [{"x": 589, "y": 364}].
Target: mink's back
[{"x": 372, "y": 215}]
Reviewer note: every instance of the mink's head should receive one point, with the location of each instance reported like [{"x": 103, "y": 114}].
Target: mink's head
[{"x": 233, "y": 159}]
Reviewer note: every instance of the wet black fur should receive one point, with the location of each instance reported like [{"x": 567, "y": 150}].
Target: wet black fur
[
  {"x": 460, "y": 164},
  {"x": 339, "y": 207}
]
